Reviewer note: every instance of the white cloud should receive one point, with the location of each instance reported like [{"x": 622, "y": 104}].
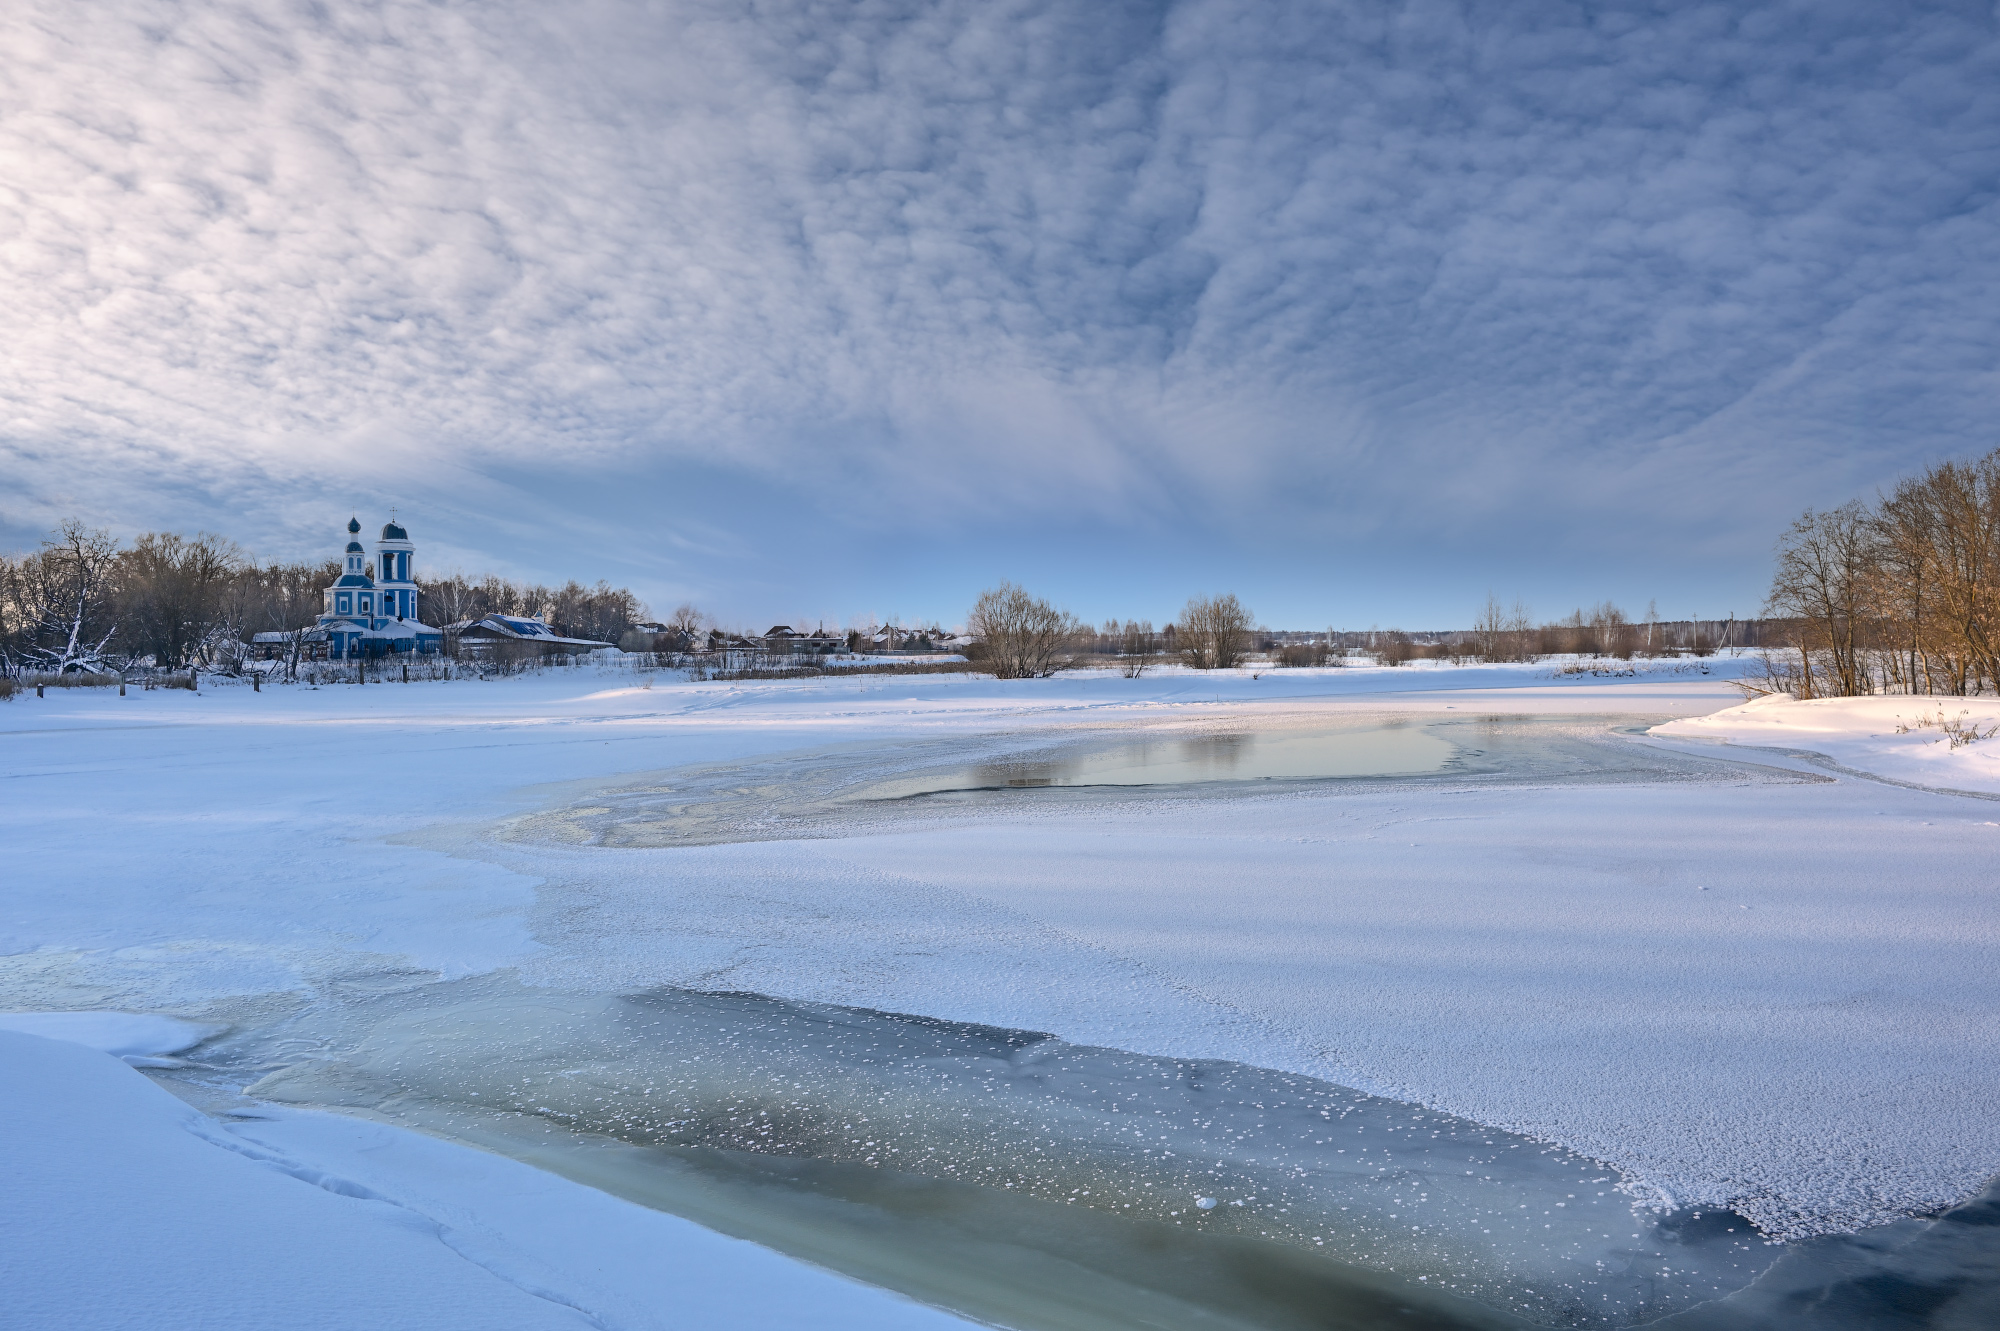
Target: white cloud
[{"x": 1035, "y": 261}]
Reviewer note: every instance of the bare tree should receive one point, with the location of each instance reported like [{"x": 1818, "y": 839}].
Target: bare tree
[
  {"x": 171, "y": 591},
  {"x": 63, "y": 598},
  {"x": 1138, "y": 645},
  {"x": 1394, "y": 648},
  {"x": 1612, "y": 634},
  {"x": 1489, "y": 630},
  {"x": 601, "y": 613},
  {"x": 286, "y": 598},
  {"x": 1508, "y": 635},
  {"x": 687, "y": 622},
  {"x": 1023, "y": 637},
  {"x": 1820, "y": 585},
  {"x": 1213, "y": 632},
  {"x": 449, "y": 599},
  {"x": 1311, "y": 653},
  {"x": 1957, "y": 603}
]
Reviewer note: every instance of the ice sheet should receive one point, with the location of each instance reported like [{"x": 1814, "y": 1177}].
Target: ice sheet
[{"x": 1764, "y": 994}]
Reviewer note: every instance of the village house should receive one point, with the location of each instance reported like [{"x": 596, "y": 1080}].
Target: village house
[
  {"x": 479, "y": 637},
  {"x": 783, "y": 639}
]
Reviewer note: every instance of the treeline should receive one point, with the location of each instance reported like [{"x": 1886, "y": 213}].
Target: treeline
[
  {"x": 1019, "y": 636},
  {"x": 1901, "y": 595},
  {"x": 602, "y": 613},
  {"x": 1603, "y": 630},
  {"x": 1022, "y": 636},
  {"x": 85, "y": 601}
]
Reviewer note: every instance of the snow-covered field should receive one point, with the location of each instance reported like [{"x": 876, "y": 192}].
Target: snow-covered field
[{"x": 1772, "y": 994}]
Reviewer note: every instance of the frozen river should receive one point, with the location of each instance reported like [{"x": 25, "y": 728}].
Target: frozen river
[{"x": 1480, "y": 1012}]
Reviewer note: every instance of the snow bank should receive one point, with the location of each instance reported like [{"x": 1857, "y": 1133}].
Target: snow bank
[
  {"x": 138, "y": 1035},
  {"x": 126, "y": 1207},
  {"x": 1900, "y": 738}
]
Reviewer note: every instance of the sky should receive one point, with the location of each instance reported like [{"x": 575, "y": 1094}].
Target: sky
[{"x": 806, "y": 311}]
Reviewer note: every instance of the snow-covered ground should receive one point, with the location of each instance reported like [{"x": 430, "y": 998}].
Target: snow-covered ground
[
  {"x": 125, "y": 1207},
  {"x": 1901, "y": 738},
  {"x": 1774, "y": 994}
]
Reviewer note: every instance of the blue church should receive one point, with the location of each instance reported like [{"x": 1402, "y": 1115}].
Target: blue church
[{"x": 371, "y": 609}]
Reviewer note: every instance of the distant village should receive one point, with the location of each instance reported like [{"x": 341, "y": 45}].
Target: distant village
[
  {"x": 374, "y": 610},
  {"x": 86, "y": 604}
]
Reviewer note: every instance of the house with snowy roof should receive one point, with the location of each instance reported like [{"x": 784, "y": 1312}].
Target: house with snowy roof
[
  {"x": 785, "y": 639},
  {"x": 530, "y": 632}
]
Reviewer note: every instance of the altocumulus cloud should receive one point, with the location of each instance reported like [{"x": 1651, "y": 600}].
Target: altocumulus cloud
[{"x": 1357, "y": 307}]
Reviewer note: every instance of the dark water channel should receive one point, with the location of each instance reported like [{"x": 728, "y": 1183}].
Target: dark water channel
[{"x": 1032, "y": 1183}]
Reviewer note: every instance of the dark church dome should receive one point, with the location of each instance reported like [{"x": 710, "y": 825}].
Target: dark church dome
[
  {"x": 391, "y": 532},
  {"x": 354, "y": 526}
]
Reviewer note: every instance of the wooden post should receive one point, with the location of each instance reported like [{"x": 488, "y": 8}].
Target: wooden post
[
  {"x": 256, "y": 681},
  {"x": 38, "y": 691},
  {"x": 121, "y": 686},
  {"x": 406, "y": 672}
]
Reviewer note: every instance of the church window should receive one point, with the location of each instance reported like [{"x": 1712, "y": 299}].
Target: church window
[
  {"x": 343, "y": 604},
  {"x": 366, "y": 605}
]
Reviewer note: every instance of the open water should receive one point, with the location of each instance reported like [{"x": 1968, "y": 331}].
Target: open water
[{"x": 1036, "y": 1184}]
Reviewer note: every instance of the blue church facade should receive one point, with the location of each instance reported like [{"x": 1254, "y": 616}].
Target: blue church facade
[{"x": 372, "y": 611}]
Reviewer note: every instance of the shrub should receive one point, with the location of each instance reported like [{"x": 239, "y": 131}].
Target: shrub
[
  {"x": 1213, "y": 631},
  {"x": 1394, "y": 648},
  {"x": 1022, "y": 637}
]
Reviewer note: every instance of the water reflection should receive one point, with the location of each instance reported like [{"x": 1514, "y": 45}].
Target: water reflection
[
  {"x": 1387, "y": 749},
  {"x": 837, "y": 792}
]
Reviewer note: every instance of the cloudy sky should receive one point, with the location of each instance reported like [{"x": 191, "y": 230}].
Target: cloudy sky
[{"x": 803, "y": 310}]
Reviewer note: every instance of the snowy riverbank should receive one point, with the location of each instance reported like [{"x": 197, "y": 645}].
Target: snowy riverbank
[
  {"x": 125, "y": 1207},
  {"x": 1901, "y": 738}
]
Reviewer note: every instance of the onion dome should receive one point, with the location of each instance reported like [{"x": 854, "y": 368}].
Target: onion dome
[
  {"x": 391, "y": 532},
  {"x": 354, "y": 526}
]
